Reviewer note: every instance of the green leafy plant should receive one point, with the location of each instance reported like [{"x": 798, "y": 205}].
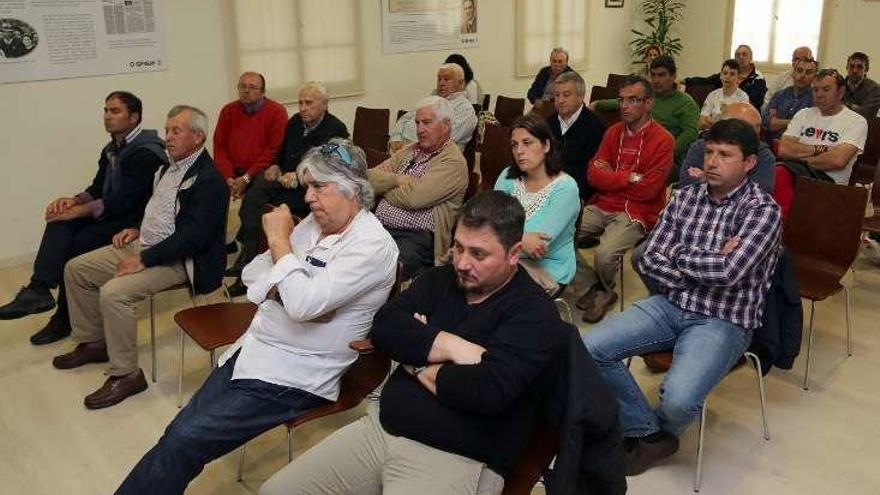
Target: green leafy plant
[{"x": 660, "y": 17}]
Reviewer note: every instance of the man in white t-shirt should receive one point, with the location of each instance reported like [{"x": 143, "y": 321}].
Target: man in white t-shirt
[
  {"x": 728, "y": 93},
  {"x": 829, "y": 136}
]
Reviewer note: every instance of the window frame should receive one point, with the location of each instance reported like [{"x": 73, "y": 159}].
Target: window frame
[{"x": 522, "y": 69}]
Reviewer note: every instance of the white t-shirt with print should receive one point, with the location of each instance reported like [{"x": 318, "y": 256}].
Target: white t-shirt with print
[
  {"x": 716, "y": 101},
  {"x": 809, "y": 126}
]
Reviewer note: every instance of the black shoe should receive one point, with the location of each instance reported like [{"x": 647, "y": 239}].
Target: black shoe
[
  {"x": 232, "y": 247},
  {"x": 237, "y": 289},
  {"x": 646, "y": 453},
  {"x": 28, "y": 301},
  {"x": 587, "y": 242},
  {"x": 233, "y": 271},
  {"x": 57, "y": 329}
]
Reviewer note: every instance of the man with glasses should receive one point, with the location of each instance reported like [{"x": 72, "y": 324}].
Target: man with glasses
[
  {"x": 862, "y": 93},
  {"x": 629, "y": 174},
  {"x": 789, "y": 101},
  {"x": 786, "y": 80}
]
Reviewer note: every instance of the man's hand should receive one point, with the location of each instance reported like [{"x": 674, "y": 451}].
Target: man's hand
[
  {"x": 450, "y": 347},
  {"x": 422, "y": 318},
  {"x": 272, "y": 173},
  {"x": 238, "y": 187},
  {"x": 278, "y": 225},
  {"x": 128, "y": 265},
  {"x": 59, "y": 206},
  {"x": 730, "y": 245},
  {"x": 75, "y": 211},
  {"x": 696, "y": 173},
  {"x": 288, "y": 180},
  {"x": 125, "y": 236},
  {"x": 534, "y": 244}
]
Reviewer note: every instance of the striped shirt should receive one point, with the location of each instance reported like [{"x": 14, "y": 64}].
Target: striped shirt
[
  {"x": 161, "y": 211},
  {"x": 684, "y": 254}
]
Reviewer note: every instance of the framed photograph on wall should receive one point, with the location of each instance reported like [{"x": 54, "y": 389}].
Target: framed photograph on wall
[{"x": 613, "y": 4}]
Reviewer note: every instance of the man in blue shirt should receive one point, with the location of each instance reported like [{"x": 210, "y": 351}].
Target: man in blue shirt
[{"x": 790, "y": 100}]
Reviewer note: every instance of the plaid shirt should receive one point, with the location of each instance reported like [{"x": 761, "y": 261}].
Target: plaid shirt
[
  {"x": 683, "y": 252},
  {"x": 395, "y": 217}
]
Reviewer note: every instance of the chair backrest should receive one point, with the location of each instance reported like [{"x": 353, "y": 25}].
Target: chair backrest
[
  {"x": 614, "y": 82},
  {"x": 400, "y": 113},
  {"x": 375, "y": 157},
  {"x": 470, "y": 150},
  {"x": 875, "y": 194},
  {"x": 527, "y": 470},
  {"x": 825, "y": 224},
  {"x": 699, "y": 91},
  {"x": 495, "y": 155},
  {"x": 487, "y": 99},
  {"x": 508, "y": 109},
  {"x": 473, "y": 185},
  {"x": 371, "y": 128},
  {"x": 601, "y": 93},
  {"x": 872, "y": 143}
]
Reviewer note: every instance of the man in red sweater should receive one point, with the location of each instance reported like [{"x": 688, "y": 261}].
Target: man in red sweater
[
  {"x": 248, "y": 134},
  {"x": 629, "y": 175}
]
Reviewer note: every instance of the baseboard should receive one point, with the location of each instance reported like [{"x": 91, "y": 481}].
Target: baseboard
[{"x": 27, "y": 258}]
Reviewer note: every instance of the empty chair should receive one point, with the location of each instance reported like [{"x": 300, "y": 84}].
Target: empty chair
[
  {"x": 508, "y": 109},
  {"x": 614, "y": 81},
  {"x": 872, "y": 224},
  {"x": 371, "y": 128},
  {"x": 375, "y": 157},
  {"x": 699, "y": 91}
]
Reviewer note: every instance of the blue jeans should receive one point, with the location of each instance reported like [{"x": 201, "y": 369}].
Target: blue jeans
[
  {"x": 221, "y": 416},
  {"x": 704, "y": 350}
]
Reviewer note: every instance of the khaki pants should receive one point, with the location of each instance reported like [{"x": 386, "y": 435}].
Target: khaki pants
[
  {"x": 102, "y": 306},
  {"x": 618, "y": 235},
  {"x": 362, "y": 459}
]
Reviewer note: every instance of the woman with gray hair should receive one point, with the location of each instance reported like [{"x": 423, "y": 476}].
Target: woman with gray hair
[{"x": 341, "y": 162}]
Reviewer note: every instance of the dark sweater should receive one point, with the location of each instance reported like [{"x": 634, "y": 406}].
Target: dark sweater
[
  {"x": 578, "y": 145},
  {"x": 295, "y": 144},
  {"x": 536, "y": 91},
  {"x": 484, "y": 411}
]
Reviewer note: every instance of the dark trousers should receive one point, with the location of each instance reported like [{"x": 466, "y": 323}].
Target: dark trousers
[
  {"x": 259, "y": 194},
  {"x": 221, "y": 416},
  {"x": 416, "y": 250}
]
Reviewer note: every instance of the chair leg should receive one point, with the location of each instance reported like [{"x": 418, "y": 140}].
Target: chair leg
[
  {"x": 289, "y": 445},
  {"x": 180, "y": 371},
  {"x": 621, "y": 284},
  {"x": 698, "y": 476},
  {"x": 848, "y": 328},
  {"x": 226, "y": 292},
  {"x": 211, "y": 359},
  {"x": 756, "y": 362},
  {"x": 809, "y": 347},
  {"x": 152, "y": 340},
  {"x": 241, "y": 461}
]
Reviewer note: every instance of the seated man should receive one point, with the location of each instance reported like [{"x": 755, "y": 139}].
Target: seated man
[
  {"x": 463, "y": 120},
  {"x": 76, "y": 225},
  {"x": 751, "y": 80},
  {"x": 791, "y": 100},
  {"x": 422, "y": 186},
  {"x": 728, "y": 94},
  {"x": 248, "y": 133},
  {"x": 542, "y": 86},
  {"x": 629, "y": 173},
  {"x": 180, "y": 240},
  {"x": 477, "y": 345},
  {"x": 313, "y": 125},
  {"x": 713, "y": 252},
  {"x": 577, "y": 130},
  {"x": 786, "y": 79},
  {"x": 317, "y": 288},
  {"x": 862, "y": 93}
]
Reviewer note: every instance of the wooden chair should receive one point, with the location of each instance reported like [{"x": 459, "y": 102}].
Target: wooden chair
[
  {"x": 152, "y": 303},
  {"x": 508, "y": 109},
  {"x": 872, "y": 145},
  {"x": 470, "y": 150},
  {"x": 699, "y": 91},
  {"x": 603, "y": 93},
  {"x": 400, "y": 113},
  {"x": 473, "y": 185},
  {"x": 487, "y": 99},
  {"x": 614, "y": 82},
  {"x": 375, "y": 157},
  {"x": 371, "y": 128},
  {"x": 527, "y": 470},
  {"x": 823, "y": 235},
  {"x": 495, "y": 156},
  {"x": 872, "y": 224}
]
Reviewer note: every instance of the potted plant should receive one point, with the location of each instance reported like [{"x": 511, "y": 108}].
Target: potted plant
[{"x": 660, "y": 17}]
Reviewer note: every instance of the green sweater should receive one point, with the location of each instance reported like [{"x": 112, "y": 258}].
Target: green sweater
[{"x": 677, "y": 112}]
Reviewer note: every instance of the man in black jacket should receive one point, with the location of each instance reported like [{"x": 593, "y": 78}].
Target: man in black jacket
[
  {"x": 181, "y": 239},
  {"x": 477, "y": 347},
  {"x": 78, "y": 224},
  {"x": 542, "y": 86},
  {"x": 311, "y": 127}
]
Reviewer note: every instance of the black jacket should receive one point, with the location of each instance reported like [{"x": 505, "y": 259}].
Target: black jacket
[
  {"x": 537, "y": 88},
  {"x": 295, "y": 144},
  {"x": 578, "y": 145},
  {"x": 778, "y": 341},
  {"x": 199, "y": 238}
]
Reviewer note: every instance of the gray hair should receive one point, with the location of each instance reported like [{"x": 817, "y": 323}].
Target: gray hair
[
  {"x": 198, "y": 121},
  {"x": 559, "y": 49},
  {"x": 572, "y": 76},
  {"x": 325, "y": 163},
  {"x": 315, "y": 87},
  {"x": 455, "y": 68},
  {"x": 439, "y": 105}
]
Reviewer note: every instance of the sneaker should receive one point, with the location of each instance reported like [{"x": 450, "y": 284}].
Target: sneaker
[
  {"x": 645, "y": 454},
  {"x": 601, "y": 302},
  {"x": 57, "y": 329},
  {"x": 28, "y": 301}
]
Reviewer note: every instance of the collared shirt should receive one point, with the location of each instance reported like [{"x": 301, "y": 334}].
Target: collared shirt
[
  {"x": 787, "y": 104},
  {"x": 161, "y": 210},
  {"x": 314, "y": 125},
  {"x": 565, "y": 124},
  {"x": 684, "y": 254},
  {"x": 329, "y": 288}
]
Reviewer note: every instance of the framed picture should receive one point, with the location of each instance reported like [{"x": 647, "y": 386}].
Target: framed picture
[{"x": 613, "y": 4}]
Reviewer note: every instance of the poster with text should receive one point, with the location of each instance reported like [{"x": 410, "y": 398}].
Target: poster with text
[
  {"x": 55, "y": 39},
  {"x": 421, "y": 25}
]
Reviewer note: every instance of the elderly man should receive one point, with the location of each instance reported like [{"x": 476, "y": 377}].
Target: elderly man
[
  {"x": 629, "y": 173},
  {"x": 312, "y": 126},
  {"x": 317, "y": 289},
  {"x": 422, "y": 186},
  {"x": 786, "y": 79},
  {"x": 576, "y": 129},
  {"x": 476, "y": 340},
  {"x": 450, "y": 85},
  {"x": 542, "y": 86},
  {"x": 713, "y": 252},
  {"x": 180, "y": 240},
  {"x": 862, "y": 93},
  {"x": 789, "y": 101},
  {"x": 78, "y": 224},
  {"x": 248, "y": 134}
]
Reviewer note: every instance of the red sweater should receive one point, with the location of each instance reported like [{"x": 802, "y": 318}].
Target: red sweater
[
  {"x": 648, "y": 152},
  {"x": 249, "y": 142}
]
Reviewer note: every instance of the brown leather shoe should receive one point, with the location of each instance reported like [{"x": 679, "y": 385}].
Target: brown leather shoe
[
  {"x": 588, "y": 299},
  {"x": 85, "y": 353},
  {"x": 658, "y": 362},
  {"x": 116, "y": 389},
  {"x": 601, "y": 303}
]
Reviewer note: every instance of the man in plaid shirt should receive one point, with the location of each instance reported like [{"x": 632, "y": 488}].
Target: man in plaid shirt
[{"x": 712, "y": 252}]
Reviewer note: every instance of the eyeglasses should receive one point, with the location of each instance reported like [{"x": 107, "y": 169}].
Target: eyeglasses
[
  {"x": 335, "y": 149},
  {"x": 248, "y": 87},
  {"x": 632, "y": 100}
]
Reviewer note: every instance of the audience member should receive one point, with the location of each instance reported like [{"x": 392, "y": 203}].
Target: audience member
[
  {"x": 477, "y": 345},
  {"x": 751, "y": 80},
  {"x": 75, "y": 225},
  {"x": 790, "y": 100},
  {"x": 248, "y": 134},
  {"x": 728, "y": 93},
  {"x": 450, "y": 86},
  {"x": 629, "y": 173},
  {"x": 179, "y": 240},
  {"x": 422, "y": 186},
  {"x": 278, "y": 184},
  {"x": 542, "y": 86},
  {"x": 713, "y": 252},
  {"x": 550, "y": 199},
  {"x": 651, "y": 52},
  {"x": 862, "y": 93},
  {"x": 786, "y": 79},
  {"x": 472, "y": 88},
  {"x": 576, "y": 129},
  {"x": 317, "y": 289}
]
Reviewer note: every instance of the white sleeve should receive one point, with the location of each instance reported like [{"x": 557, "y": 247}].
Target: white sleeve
[
  {"x": 855, "y": 132},
  {"x": 796, "y": 123},
  {"x": 710, "y": 103},
  {"x": 404, "y": 128}
]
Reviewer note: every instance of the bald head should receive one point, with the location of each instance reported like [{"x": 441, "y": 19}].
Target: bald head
[
  {"x": 801, "y": 53},
  {"x": 745, "y": 112}
]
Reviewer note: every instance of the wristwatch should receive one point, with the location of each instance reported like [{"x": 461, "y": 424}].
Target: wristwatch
[{"x": 635, "y": 177}]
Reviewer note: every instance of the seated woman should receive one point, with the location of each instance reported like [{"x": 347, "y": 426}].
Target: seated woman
[{"x": 550, "y": 199}]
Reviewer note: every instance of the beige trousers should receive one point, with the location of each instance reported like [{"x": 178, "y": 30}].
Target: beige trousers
[
  {"x": 102, "y": 305},
  {"x": 618, "y": 235},
  {"x": 362, "y": 459}
]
